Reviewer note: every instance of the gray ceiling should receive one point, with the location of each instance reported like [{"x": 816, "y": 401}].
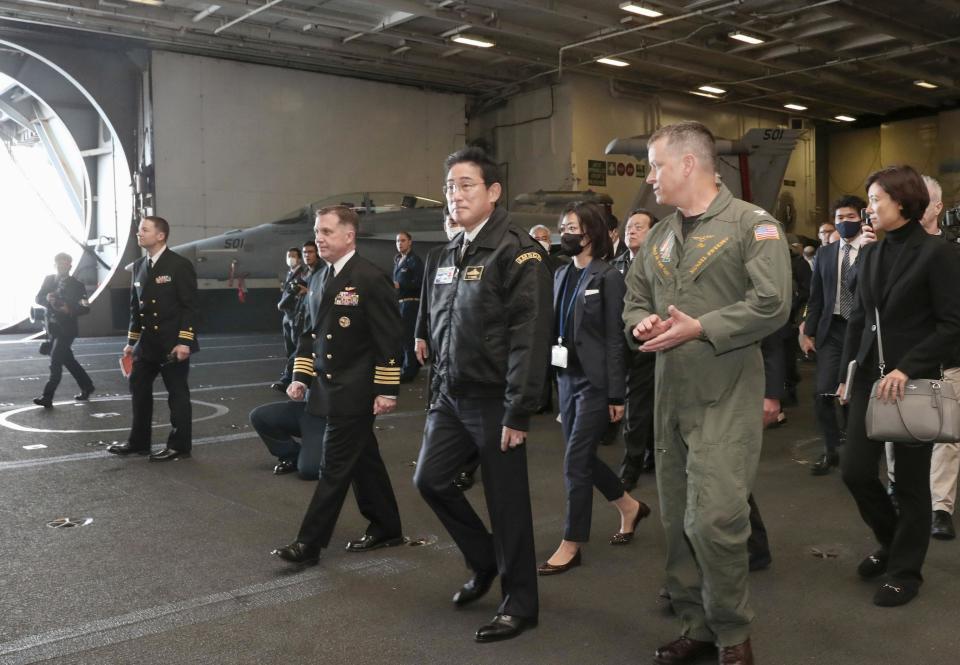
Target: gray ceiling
[{"x": 854, "y": 57}]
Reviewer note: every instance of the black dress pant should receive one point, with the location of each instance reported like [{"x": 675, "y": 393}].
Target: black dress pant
[
  {"x": 61, "y": 355},
  {"x": 757, "y": 544},
  {"x": 349, "y": 455},
  {"x": 638, "y": 418},
  {"x": 174, "y": 376},
  {"x": 290, "y": 346},
  {"x": 456, "y": 430},
  {"x": 408, "y": 316},
  {"x": 584, "y": 416},
  {"x": 829, "y": 352},
  {"x": 904, "y": 536}
]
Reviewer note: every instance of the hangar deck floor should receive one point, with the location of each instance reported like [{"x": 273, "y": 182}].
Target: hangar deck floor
[{"x": 174, "y": 567}]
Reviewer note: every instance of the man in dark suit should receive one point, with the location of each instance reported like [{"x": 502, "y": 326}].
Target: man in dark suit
[
  {"x": 408, "y": 278},
  {"x": 293, "y": 288},
  {"x": 65, "y": 299},
  {"x": 638, "y": 455},
  {"x": 348, "y": 357},
  {"x": 161, "y": 338},
  {"x": 828, "y": 309}
]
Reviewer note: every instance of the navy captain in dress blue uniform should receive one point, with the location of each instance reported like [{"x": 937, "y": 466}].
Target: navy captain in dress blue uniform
[
  {"x": 161, "y": 338},
  {"x": 348, "y": 358},
  {"x": 408, "y": 278}
]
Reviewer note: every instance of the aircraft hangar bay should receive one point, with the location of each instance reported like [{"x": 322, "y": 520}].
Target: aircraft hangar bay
[{"x": 236, "y": 121}]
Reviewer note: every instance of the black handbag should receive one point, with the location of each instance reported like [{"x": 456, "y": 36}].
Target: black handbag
[
  {"x": 45, "y": 347},
  {"x": 928, "y": 413}
]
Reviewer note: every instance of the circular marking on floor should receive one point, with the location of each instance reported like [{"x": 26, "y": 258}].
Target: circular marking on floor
[
  {"x": 69, "y": 522},
  {"x": 218, "y": 410}
]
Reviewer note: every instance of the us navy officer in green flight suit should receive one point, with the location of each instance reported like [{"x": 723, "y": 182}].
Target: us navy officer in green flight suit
[{"x": 712, "y": 281}]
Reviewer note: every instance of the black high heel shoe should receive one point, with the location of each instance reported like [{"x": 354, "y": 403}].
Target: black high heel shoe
[{"x": 621, "y": 538}]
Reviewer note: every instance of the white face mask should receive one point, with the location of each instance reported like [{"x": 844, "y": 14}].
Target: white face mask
[
  {"x": 292, "y": 262},
  {"x": 546, "y": 245}
]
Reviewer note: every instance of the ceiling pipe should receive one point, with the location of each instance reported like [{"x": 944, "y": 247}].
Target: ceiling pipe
[
  {"x": 646, "y": 26},
  {"x": 244, "y": 17}
]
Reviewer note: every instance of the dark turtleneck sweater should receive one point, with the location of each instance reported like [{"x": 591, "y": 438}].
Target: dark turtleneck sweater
[{"x": 892, "y": 247}]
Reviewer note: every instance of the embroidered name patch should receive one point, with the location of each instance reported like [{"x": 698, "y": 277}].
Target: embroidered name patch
[
  {"x": 163, "y": 279},
  {"x": 472, "y": 273},
  {"x": 347, "y": 299},
  {"x": 523, "y": 258},
  {"x": 766, "y": 232}
]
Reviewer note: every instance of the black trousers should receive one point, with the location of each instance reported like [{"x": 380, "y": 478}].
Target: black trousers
[
  {"x": 757, "y": 544},
  {"x": 584, "y": 415},
  {"x": 638, "y": 419},
  {"x": 174, "y": 376},
  {"x": 457, "y": 429},
  {"x": 61, "y": 355},
  {"x": 290, "y": 346},
  {"x": 904, "y": 536},
  {"x": 408, "y": 315},
  {"x": 829, "y": 352},
  {"x": 279, "y": 426},
  {"x": 349, "y": 455}
]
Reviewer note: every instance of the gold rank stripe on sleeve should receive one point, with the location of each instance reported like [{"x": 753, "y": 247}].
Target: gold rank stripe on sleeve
[
  {"x": 186, "y": 334},
  {"x": 304, "y": 366},
  {"x": 388, "y": 376},
  {"x": 133, "y": 335}
]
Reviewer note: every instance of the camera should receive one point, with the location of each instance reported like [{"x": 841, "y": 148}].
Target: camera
[{"x": 951, "y": 224}]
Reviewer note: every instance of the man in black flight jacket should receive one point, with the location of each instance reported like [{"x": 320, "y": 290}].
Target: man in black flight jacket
[
  {"x": 349, "y": 358},
  {"x": 488, "y": 299},
  {"x": 161, "y": 338}
]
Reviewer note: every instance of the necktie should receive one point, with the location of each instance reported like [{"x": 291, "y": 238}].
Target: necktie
[
  {"x": 149, "y": 266},
  {"x": 463, "y": 248},
  {"x": 845, "y": 305}
]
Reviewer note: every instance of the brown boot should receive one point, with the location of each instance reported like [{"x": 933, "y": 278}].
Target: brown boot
[
  {"x": 738, "y": 654},
  {"x": 682, "y": 650}
]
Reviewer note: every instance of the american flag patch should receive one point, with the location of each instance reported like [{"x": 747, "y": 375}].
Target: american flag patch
[{"x": 766, "y": 232}]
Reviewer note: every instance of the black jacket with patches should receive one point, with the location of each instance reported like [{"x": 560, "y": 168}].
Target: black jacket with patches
[
  {"x": 350, "y": 349},
  {"x": 72, "y": 296},
  {"x": 163, "y": 306},
  {"x": 489, "y": 318}
]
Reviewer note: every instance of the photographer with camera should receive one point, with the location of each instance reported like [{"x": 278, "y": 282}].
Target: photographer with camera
[
  {"x": 65, "y": 299},
  {"x": 294, "y": 287}
]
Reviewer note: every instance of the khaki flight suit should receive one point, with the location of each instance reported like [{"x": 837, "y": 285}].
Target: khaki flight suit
[{"x": 733, "y": 274}]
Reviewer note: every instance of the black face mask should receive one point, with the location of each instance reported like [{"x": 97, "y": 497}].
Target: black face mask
[
  {"x": 848, "y": 230},
  {"x": 570, "y": 243}
]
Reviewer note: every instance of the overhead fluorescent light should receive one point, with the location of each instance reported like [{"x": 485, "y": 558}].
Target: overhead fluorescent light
[
  {"x": 795, "y": 107},
  {"x": 471, "y": 40},
  {"x": 639, "y": 8},
  {"x": 613, "y": 62},
  {"x": 204, "y": 13},
  {"x": 744, "y": 37},
  {"x": 713, "y": 89},
  {"x": 113, "y": 5},
  {"x": 925, "y": 84},
  {"x": 155, "y": 3},
  {"x": 400, "y": 49},
  {"x": 844, "y": 118},
  {"x": 702, "y": 94}
]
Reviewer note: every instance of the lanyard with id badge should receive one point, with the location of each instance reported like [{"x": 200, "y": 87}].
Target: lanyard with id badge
[{"x": 559, "y": 352}]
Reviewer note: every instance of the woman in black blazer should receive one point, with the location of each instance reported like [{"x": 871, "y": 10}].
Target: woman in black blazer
[
  {"x": 588, "y": 354},
  {"x": 912, "y": 278}
]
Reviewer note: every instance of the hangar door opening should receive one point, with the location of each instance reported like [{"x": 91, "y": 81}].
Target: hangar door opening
[{"x": 65, "y": 184}]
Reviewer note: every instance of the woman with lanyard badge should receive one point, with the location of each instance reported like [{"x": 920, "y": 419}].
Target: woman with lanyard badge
[{"x": 589, "y": 356}]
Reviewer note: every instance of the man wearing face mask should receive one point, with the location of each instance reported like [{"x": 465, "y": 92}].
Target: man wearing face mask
[
  {"x": 831, "y": 302},
  {"x": 293, "y": 289}
]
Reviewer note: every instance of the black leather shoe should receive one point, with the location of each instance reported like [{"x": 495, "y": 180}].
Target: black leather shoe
[
  {"x": 278, "y": 386},
  {"x": 168, "y": 455},
  {"x": 45, "y": 402},
  {"x": 682, "y": 650},
  {"x": 503, "y": 627},
  {"x": 823, "y": 465},
  {"x": 475, "y": 588},
  {"x": 873, "y": 566},
  {"x": 942, "y": 528},
  {"x": 126, "y": 449},
  {"x": 84, "y": 394},
  {"x": 895, "y": 593},
  {"x": 464, "y": 480},
  {"x": 368, "y": 542},
  {"x": 547, "y": 568},
  {"x": 285, "y": 466},
  {"x": 297, "y": 552}
]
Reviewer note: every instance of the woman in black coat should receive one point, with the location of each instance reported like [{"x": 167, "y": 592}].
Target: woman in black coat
[
  {"x": 912, "y": 278},
  {"x": 588, "y": 355}
]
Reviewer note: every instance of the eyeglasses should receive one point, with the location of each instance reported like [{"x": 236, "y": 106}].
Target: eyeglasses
[{"x": 464, "y": 187}]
